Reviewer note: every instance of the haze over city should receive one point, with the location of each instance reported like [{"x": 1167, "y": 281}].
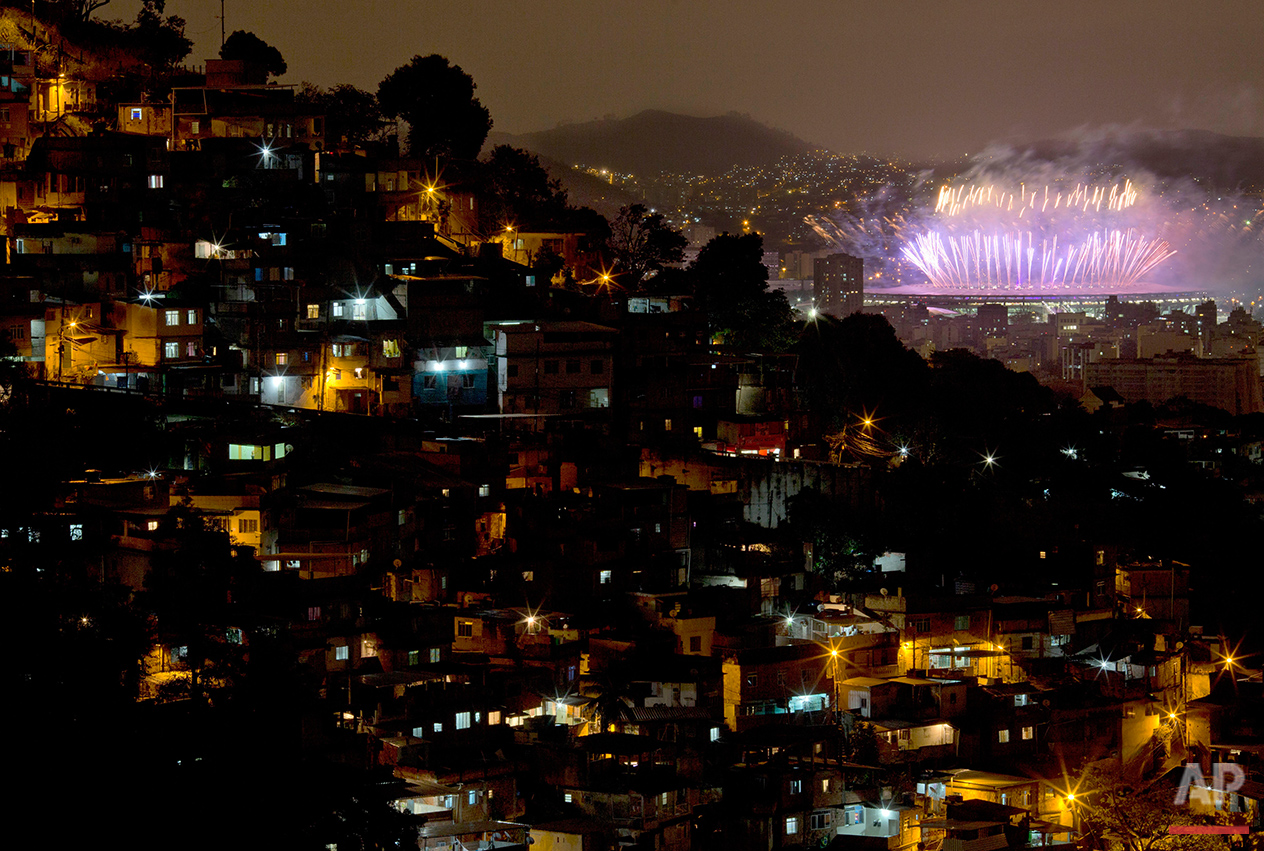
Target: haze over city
[{"x": 902, "y": 78}]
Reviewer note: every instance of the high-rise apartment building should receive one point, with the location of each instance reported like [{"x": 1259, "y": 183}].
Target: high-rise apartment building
[{"x": 839, "y": 284}]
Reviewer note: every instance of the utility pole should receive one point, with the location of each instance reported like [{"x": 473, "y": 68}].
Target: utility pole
[{"x": 221, "y": 24}]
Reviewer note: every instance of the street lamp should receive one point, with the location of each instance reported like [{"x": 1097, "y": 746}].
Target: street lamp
[{"x": 61, "y": 343}]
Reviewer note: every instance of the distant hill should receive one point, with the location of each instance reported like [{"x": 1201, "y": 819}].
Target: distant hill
[
  {"x": 654, "y": 141},
  {"x": 585, "y": 190}
]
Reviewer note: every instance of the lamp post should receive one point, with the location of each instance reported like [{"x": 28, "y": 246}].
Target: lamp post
[{"x": 61, "y": 343}]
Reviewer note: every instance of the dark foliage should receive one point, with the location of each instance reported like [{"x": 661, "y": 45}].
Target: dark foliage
[{"x": 437, "y": 100}]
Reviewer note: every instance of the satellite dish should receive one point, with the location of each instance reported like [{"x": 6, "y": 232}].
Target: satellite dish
[
  {"x": 1044, "y": 702},
  {"x": 398, "y": 563},
  {"x": 994, "y": 588},
  {"x": 884, "y": 592}
]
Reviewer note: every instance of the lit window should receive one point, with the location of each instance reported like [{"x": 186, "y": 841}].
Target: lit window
[
  {"x": 961, "y": 622},
  {"x": 171, "y": 317},
  {"x": 792, "y": 825},
  {"x": 472, "y": 797},
  {"x": 1002, "y": 736},
  {"x": 463, "y": 722},
  {"x": 414, "y": 657},
  {"x": 1029, "y": 732},
  {"x": 313, "y": 613},
  {"x": 493, "y": 717},
  {"x": 138, "y": 114},
  {"x": 606, "y": 577},
  {"x": 484, "y": 490},
  {"x": 313, "y": 311},
  {"x": 796, "y": 787},
  {"x": 155, "y": 181},
  {"x": 368, "y": 648},
  {"x": 390, "y": 348},
  {"x": 715, "y": 734},
  {"x": 281, "y": 358},
  {"x": 359, "y": 310},
  {"x": 76, "y": 531},
  {"x": 434, "y": 654},
  {"x": 191, "y": 317},
  {"x": 568, "y": 797},
  {"x": 190, "y": 349},
  {"x": 438, "y": 728},
  {"x": 152, "y": 525},
  {"x": 342, "y": 654},
  {"x": 337, "y": 309}
]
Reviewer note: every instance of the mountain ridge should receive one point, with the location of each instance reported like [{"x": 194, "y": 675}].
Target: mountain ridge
[{"x": 655, "y": 140}]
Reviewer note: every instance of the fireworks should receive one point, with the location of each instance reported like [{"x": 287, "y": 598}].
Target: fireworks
[
  {"x": 1017, "y": 261},
  {"x": 1083, "y": 198},
  {"x": 1063, "y": 236}
]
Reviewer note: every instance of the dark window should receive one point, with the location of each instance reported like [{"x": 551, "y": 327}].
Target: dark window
[
  {"x": 1027, "y": 642},
  {"x": 467, "y": 380},
  {"x": 550, "y": 367},
  {"x": 512, "y": 370},
  {"x": 428, "y": 382},
  {"x": 572, "y": 367}
]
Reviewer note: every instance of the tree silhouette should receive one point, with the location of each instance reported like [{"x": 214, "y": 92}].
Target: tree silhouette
[
  {"x": 731, "y": 284},
  {"x": 437, "y": 100},
  {"x": 642, "y": 243},
  {"x": 352, "y": 116},
  {"x": 518, "y": 191},
  {"x": 248, "y": 47}
]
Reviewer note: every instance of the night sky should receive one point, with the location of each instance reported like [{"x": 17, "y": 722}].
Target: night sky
[{"x": 912, "y": 78}]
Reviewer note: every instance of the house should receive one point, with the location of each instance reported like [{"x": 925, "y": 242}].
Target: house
[
  {"x": 554, "y": 367},
  {"x": 762, "y": 683}
]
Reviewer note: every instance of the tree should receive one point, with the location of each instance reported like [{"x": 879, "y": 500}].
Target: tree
[
  {"x": 855, "y": 366},
  {"x": 642, "y": 243},
  {"x": 843, "y": 548},
  {"x": 437, "y": 100},
  {"x": 248, "y": 47},
  {"x": 862, "y": 744},
  {"x": 1120, "y": 812},
  {"x": 74, "y": 10},
  {"x": 731, "y": 284},
  {"x": 352, "y": 116},
  {"x": 197, "y": 591},
  {"x": 517, "y": 190},
  {"x": 160, "y": 40}
]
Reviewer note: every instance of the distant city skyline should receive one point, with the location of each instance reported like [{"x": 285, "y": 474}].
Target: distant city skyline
[{"x": 909, "y": 79}]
